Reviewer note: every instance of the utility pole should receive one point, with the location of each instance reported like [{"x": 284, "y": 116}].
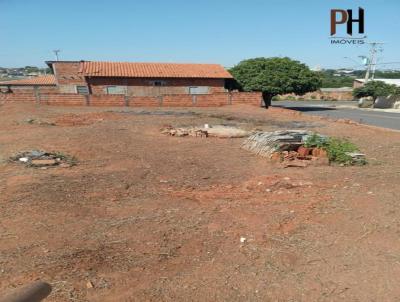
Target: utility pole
[
  {"x": 56, "y": 51},
  {"x": 372, "y": 60}
]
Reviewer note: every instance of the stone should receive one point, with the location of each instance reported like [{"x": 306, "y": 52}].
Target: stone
[
  {"x": 366, "y": 102},
  {"x": 357, "y": 158},
  {"x": 89, "y": 284},
  {"x": 36, "y": 153},
  {"x": 384, "y": 102},
  {"x": 43, "y": 162},
  {"x": 65, "y": 165}
]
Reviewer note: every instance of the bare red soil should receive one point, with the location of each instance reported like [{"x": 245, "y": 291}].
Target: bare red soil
[{"x": 148, "y": 217}]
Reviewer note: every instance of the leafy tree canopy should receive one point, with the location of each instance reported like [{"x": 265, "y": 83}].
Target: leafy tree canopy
[
  {"x": 31, "y": 69},
  {"x": 331, "y": 81},
  {"x": 375, "y": 89},
  {"x": 273, "y": 76}
]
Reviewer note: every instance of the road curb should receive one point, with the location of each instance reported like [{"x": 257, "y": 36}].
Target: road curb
[{"x": 344, "y": 121}]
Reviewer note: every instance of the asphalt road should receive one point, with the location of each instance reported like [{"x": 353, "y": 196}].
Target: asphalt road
[{"x": 344, "y": 110}]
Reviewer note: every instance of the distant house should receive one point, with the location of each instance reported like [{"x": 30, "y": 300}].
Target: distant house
[
  {"x": 131, "y": 79},
  {"x": 45, "y": 83},
  {"x": 361, "y": 82},
  {"x": 138, "y": 79},
  {"x": 92, "y": 83}
]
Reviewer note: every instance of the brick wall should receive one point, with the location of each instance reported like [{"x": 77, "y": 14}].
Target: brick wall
[
  {"x": 143, "y": 101},
  {"x": 145, "y": 87},
  {"x": 173, "y": 100},
  {"x": 106, "y": 100},
  {"x": 67, "y": 76},
  {"x": 31, "y": 89},
  {"x": 178, "y": 100},
  {"x": 66, "y": 99},
  {"x": 28, "y": 97},
  {"x": 213, "y": 100},
  {"x": 251, "y": 98}
]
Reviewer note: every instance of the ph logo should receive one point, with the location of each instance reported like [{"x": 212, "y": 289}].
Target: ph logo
[{"x": 341, "y": 16}]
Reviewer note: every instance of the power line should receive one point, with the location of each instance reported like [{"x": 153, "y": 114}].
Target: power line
[{"x": 372, "y": 60}]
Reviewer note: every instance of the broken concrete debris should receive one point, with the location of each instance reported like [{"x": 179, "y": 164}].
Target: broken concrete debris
[
  {"x": 286, "y": 147},
  {"x": 357, "y": 158},
  {"x": 42, "y": 159},
  {"x": 169, "y": 130},
  {"x": 206, "y": 131},
  {"x": 267, "y": 143},
  {"x": 295, "y": 148}
]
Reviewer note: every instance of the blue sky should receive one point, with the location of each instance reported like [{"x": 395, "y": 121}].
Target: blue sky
[{"x": 202, "y": 31}]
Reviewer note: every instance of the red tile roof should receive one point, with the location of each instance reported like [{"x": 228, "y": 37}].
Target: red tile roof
[
  {"x": 46, "y": 80},
  {"x": 153, "y": 70}
]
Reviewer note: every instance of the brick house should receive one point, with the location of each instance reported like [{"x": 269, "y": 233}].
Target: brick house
[
  {"x": 129, "y": 84},
  {"x": 138, "y": 79},
  {"x": 46, "y": 83}
]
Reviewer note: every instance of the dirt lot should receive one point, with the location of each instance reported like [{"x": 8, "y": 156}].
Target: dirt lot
[{"x": 148, "y": 217}]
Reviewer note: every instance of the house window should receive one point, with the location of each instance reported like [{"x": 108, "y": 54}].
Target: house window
[
  {"x": 198, "y": 90},
  {"x": 82, "y": 90},
  {"x": 116, "y": 89},
  {"x": 158, "y": 83}
]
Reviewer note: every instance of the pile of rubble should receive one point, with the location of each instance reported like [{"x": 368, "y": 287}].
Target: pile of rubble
[
  {"x": 286, "y": 147},
  {"x": 169, "y": 130},
  {"x": 206, "y": 131},
  {"x": 42, "y": 159}
]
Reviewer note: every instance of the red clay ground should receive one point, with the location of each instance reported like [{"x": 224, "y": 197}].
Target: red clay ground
[{"x": 147, "y": 217}]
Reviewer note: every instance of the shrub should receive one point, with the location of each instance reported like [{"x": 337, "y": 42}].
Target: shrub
[
  {"x": 315, "y": 141},
  {"x": 336, "y": 148},
  {"x": 375, "y": 89}
]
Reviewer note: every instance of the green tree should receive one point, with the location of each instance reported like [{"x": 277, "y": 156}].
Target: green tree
[
  {"x": 30, "y": 69},
  {"x": 375, "y": 89},
  {"x": 330, "y": 80},
  {"x": 273, "y": 76}
]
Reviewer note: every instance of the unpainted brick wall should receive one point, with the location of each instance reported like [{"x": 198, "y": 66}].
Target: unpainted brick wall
[
  {"x": 213, "y": 100},
  {"x": 145, "y": 87},
  {"x": 250, "y": 98},
  {"x": 106, "y": 100},
  {"x": 174, "y": 100},
  {"x": 143, "y": 101},
  {"x": 18, "y": 97},
  {"x": 177, "y": 100},
  {"x": 62, "y": 99}
]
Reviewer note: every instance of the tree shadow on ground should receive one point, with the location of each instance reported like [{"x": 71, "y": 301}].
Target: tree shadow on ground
[{"x": 306, "y": 108}]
